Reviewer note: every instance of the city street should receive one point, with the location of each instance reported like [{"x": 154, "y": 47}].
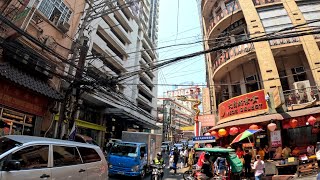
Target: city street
[{"x": 168, "y": 175}]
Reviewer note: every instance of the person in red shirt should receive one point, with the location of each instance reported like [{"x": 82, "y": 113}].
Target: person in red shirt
[
  {"x": 201, "y": 160},
  {"x": 239, "y": 152}
]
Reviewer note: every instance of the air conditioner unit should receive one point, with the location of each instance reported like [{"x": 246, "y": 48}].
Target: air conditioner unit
[
  {"x": 64, "y": 27},
  {"x": 302, "y": 87}
]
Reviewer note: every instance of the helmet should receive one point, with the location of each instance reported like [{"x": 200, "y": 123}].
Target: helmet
[{"x": 159, "y": 154}]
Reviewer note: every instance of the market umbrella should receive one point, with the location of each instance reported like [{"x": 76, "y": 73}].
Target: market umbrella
[{"x": 246, "y": 134}]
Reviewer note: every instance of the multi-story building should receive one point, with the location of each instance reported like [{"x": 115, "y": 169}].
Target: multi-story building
[
  {"x": 285, "y": 68},
  {"x": 175, "y": 113},
  {"x": 120, "y": 44},
  {"x": 36, "y": 37}
]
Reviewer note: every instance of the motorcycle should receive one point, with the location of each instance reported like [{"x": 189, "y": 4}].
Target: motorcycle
[{"x": 157, "y": 172}]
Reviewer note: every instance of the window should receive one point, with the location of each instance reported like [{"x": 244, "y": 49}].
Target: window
[
  {"x": 284, "y": 80},
  {"x": 55, "y": 10},
  {"x": 310, "y": 11},
  {"x": 65, "y": 156},
  {"x": 89, "y": 155},
  {"x": 34, "y": 157},
  {"x": 274, "y": 18},
  {"x": 299, "y": 74}
]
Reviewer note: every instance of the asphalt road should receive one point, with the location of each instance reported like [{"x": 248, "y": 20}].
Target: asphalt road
[{"x": 168, "y": 174}]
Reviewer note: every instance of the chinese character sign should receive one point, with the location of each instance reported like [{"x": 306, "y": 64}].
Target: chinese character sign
[
  {"x": 276, "y": 138},
  {"x": 243, "y": 104}
]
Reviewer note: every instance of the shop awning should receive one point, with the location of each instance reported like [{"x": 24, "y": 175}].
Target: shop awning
[
  {"x": 264, "y": 118},
  {"x": 15, "y": 75}
]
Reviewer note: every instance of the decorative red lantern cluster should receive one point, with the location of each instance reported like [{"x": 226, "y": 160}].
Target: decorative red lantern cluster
[
  {"x": 254, "y": 127},
  {"x": 233, "y": 131}
]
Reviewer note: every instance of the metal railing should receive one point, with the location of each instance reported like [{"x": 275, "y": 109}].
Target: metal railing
[
  {"x": 276, "y": 42},
  {"x": 223, "y": 13},
  {"x": 301, "y": 96},
  {"x": 231, "y": 53}
]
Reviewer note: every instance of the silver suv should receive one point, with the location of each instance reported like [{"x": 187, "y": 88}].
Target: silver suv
[{"x": 30, "y": 157}]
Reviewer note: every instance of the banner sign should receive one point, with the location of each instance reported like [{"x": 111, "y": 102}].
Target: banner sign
[
  {"x": 249, "y": 102},
  {"x": 203, "y": 139},
  {"x": 207, "y": 120},
  {"x": 276, "y": 138}
]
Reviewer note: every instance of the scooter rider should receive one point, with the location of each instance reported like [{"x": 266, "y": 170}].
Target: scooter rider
[{"x": 159, "y": 161}]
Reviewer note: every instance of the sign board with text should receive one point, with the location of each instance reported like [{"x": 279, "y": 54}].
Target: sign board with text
[
  {"x": 275, "y": 137},
  {"x": 207, "y": 120},
  {"x": 204, "y": 139},
  {"x": 250, "y": 102}
]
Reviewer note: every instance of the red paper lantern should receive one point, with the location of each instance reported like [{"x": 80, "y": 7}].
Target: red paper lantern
[
  {"x": 293, "y": 123},
  {"x": 222, "y": 132},
  {"x": 254, "y": 127},
  {"x": 233, "y": 131},
  {"x": 207, "y": 134},
  {"x": 214, "y": 133},
  {"x": 272, "y": 127},
  {"x": 312, "y": 120}
]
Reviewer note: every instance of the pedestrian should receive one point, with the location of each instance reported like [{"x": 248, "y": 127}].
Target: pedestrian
[
  {"x": 310, "y": 150},
  {"x": 277, "y": 154},
  {"x": 185, "y": 157},
  {"x": 200, "y": 160},
  {"x": 181, "y": 158},
  {"x": 261, "y": 153},
  {"x": 222, "y": 166},
  {"x": 239, "y": 152},
  {"x": 259, "y": 168},
  {"x": 247, "y": 163},
  {"x": 286, "y": 152},
  {"x": 175, "y": 160},
  {"x": 190, "y": 158}
]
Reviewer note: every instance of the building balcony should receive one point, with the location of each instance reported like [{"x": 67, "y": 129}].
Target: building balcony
[
  {"x": 145, "y": 89},
  {"x": 231, "y": 53},
  {"x": 301, "y": 98},
  {"x": 262, "y": 2},
  {"x": 144, "y": 101},
  {"x": 101, "y": 47},
  {"x": 146, "y": 56},
  {"x": 222, "y": 14}
]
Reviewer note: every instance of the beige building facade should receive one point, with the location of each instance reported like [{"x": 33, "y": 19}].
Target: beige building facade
[{"x": 291, "y": 64}]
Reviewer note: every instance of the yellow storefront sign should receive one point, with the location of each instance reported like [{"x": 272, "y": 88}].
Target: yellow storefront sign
[
  {"x": 86, "y": 124},
  {"x": 187, "y": 128}
]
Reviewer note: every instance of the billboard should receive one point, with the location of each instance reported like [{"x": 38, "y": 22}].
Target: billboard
[{"x": 244, "y": 104}]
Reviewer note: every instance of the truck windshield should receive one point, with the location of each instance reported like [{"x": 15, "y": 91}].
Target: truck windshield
[
  {"x": 124, "y": 150},
  {"x": 6, "y": 144}
]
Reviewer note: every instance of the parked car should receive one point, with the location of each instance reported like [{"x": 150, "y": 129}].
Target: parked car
[{"x": 31, "y": 157}]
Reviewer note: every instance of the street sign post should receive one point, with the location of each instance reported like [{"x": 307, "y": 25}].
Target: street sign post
[{"x": 204, "y": 139}]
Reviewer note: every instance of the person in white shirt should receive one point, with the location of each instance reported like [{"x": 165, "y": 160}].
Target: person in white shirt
[{"x": 259, "y": 168}]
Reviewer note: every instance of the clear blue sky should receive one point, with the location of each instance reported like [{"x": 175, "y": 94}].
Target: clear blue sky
[{"x": 189, "y": 31}]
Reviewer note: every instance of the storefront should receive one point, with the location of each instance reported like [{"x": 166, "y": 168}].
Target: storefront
[{"x": 22, "y": 111}]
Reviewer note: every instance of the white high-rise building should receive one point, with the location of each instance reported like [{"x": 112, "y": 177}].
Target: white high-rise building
[{"x": 123, "y": 42}]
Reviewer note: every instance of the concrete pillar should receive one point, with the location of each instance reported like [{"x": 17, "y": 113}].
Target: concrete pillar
[
  {"x": 309, "y": 43},
  {"x": 267, "y": 65}
]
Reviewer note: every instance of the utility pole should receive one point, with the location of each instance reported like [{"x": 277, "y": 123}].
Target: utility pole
[{"x": 72, "y": 95}]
